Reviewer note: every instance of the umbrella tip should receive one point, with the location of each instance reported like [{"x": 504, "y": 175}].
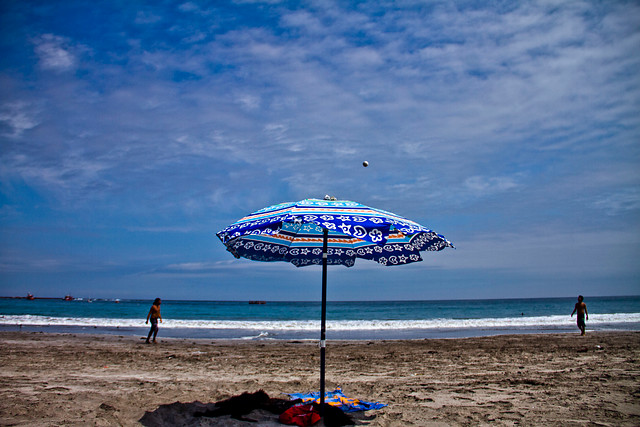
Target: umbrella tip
[{"x": 328, "y": 197}]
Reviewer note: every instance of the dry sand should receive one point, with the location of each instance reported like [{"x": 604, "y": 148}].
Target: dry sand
[{"x": 562, "y": 379}]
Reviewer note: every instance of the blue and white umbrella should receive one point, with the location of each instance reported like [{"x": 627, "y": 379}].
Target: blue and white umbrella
[
  {"x": 329, "y": 231},
  {"x": 294, "y": 232}
]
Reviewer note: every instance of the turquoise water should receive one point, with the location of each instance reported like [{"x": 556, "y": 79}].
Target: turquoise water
[{"x": 300, "y": 320}]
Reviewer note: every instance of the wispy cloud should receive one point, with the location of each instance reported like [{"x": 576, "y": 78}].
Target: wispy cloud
[
  {"x": 16, "y": 118},
  {"x": 181, "y": 117},
  {"x": 625, "y": 201},
  {"x": 488, "y": 185},
  {"x": 55, "y": 52},
  {"x": 546, "y": 252}
]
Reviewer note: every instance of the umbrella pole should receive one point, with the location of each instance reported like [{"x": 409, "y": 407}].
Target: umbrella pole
[{"x": 325, "y": 243}]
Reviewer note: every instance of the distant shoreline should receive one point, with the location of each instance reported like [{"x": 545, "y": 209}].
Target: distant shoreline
[{"x": 266, "y": 302}]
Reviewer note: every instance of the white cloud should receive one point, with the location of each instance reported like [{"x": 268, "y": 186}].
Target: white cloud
[
  {"x": 335, "y": 96},
  {"x": 55, "y": 52},
  {"x": 249, "y": 102},
  {"x": 17, "y": 118},
  {"x": 144, "y": 17},
  {"x": 620, "y": 202},
  {"x": 189, "y": 7},
  {"x": 276, "y": 131},
  {"x": 304, "y": 21},
  {"x": 546, "y": 251},
  {"x": 489, "y": 185}
]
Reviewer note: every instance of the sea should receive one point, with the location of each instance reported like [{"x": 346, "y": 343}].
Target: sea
[{"x": 354, "y": 320}]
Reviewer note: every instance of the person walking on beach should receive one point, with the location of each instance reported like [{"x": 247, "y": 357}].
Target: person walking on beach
[
  {"x": 154, "y": 315},
  {"x": 581, "y": 308}
]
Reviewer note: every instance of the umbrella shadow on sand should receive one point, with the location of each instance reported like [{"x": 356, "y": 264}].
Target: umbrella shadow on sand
[
  {"x": 247, "y": 409},
  {"x": 184, "y": 414}
]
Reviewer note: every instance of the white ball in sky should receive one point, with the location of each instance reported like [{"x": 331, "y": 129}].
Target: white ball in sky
[{"x": 365, "y": 163}]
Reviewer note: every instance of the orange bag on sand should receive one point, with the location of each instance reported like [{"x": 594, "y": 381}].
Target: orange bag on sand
[{"x": 303, "y": 416}]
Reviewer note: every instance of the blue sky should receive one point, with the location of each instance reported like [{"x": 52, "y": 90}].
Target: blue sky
[{"x": 132, "y": 131}]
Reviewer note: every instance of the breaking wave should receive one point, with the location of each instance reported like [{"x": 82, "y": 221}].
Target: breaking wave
[{"x": 342, "y": 325}]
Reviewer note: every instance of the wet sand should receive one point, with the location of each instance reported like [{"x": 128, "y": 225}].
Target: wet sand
[{"x": 559, "y": 379}]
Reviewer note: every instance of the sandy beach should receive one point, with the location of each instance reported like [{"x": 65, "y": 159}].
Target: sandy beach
[{"x": 560, "y": 379}]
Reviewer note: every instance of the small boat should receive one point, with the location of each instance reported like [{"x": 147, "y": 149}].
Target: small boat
[
  {"x": 68, "y": 298},
  {"x": 30, "y": 296},
  {"x": 117, "y": 301},
  {"x": 257, "y": 302}
]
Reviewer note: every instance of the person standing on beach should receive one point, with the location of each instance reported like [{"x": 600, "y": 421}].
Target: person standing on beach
[
  {"x": 581, "y": 308},
  {"x": 154, "y": 315}
]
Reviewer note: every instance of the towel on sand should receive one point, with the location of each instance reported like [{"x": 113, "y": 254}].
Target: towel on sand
[{"x": 338, "y": 399}]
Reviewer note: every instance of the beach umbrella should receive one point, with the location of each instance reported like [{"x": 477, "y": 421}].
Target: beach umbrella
[{"x": 327, "y": 232}]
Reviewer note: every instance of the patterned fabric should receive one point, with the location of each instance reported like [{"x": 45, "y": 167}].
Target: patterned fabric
[
  {"x": 293, "y": 232},
  {"x": 338, "y": 399}
]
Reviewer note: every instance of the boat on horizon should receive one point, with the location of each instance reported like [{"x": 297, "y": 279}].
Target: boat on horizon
[
  {"x": 30, "y": 296},
  {"x": 68, "y": 298}
]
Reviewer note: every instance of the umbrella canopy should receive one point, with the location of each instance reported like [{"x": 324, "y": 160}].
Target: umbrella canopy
[
  {"x": 293, "y": 232},
  {"x": 329, "y": 231}
]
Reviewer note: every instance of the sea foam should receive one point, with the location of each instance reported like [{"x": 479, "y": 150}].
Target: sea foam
[{"x": 343, "y": 325}]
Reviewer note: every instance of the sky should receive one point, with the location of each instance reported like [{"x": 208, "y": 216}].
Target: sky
[{"x": 132, "y": 131}]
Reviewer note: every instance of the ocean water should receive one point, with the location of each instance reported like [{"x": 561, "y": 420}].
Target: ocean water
[{"x": 301, "y": 320}]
